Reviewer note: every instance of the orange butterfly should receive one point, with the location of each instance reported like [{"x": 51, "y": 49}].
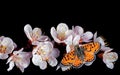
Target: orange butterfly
[{"x": 81, "y": 55}]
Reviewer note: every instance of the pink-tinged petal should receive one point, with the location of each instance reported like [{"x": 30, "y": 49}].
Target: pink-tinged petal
[
  {"x": 18, "y": 52},
  {"x": 103, "y": 48},
  {"x": 1, "y": 38},
  {"x": 76, "y": 40},
  {"x": 89, "y": 63},
  {"x": 11, "y": 65},
  {"x": 49, "y": 44},
  {"x": 61, "y": 28},
  {"x": 14, "y": 44},
  {"x": 20, "y": 67},
  {"x": 95, "y": 37},
  {"x": 87, "y": 36},
  {"x": 69, "y": 40},
  {"x": 78, "y": 30},
  {"x": 68, "y": 49},
  {"x": 101, "y": 41},
  {"x": 36, "y": 59},
  {"x": 35, "y": 43},
  {"x": 54, "y": 35},
  {"x": 68, "y": 33},
  {"x": 55, "y": 52},
  {"x": 110, "y": 65},
  {"x": 28, "y": 31},
  {"x": 3, "y": 56},
  {"x": 43, "y": 38},
  {"x": 9, "y": 59},
  {"x": 43, "y": 65},
  {"x": 64, "y": 68},
  {"x": 52, "y": 61}
]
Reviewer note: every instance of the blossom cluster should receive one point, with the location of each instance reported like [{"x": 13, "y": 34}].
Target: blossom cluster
[{"x": 44, "y": 51}]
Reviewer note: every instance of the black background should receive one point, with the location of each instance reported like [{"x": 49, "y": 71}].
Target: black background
[{"x": 104, "y": 21}]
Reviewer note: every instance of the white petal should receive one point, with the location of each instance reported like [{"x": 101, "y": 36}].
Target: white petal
[
  {"x": 95, "y": 36},
  {"x": 52, "y": 61},
  {"x": 14, "y": 44},
  {"x": 62, "y": 27},
  {"x": 68, "y": 33},
  {"x": 28, "y": 31},
  {"x": 20, "y": 67},
  {"x": 55, "y": 53},
  {"x": 76, "y": 40},
  {"x": 89, "y": 63},
  {"x": 78, "y": 30},
  {"x": 35, "y": 43},
  {"x": 49, "y": 44},
  {"x": 17, "y": 52},
  {"x": 110, "y": 65},
  {"x": 69, "y": 40},
  {"x": 36, "y": 59},
  {"x": 64, "y": 68},
  {"x": 68, "y": 49},
  {"x": 54, "y": 35},
  {"x": 108, "y": 49},
  {"x": 3, "y": 56},
  {"x": 43, "y": 65},
  {"x": 101, "y": 41},
  {"x": 87, "y": 36},
  {"x": 43, "y": 38},
  {"x": 11, "y": 65},
  {"x": 9, "y": 59},
  {"x": 1, "y": 38}
]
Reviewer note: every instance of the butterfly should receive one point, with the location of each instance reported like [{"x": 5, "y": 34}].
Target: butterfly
[{"x": 81, "y": 55}]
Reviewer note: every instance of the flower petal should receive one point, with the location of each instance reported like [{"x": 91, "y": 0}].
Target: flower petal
[
  {"x": 54, "y": 35},
  {"x": 110, "y": 57},
  {"x": 76, "y": 40},
  {"x": 64, "y": 68},
  {"x": 62, "y": 27},
  {"x": 11, "y": 65},
  {"x": 89, "y": 63},
  {"x": 78, "y": 30},
  {"x": 3, "y": 56},
  {"x": 36, "y": 59},
  {"x": 28, "y": 31},
  {"x": 20, "y": 67},
  {"x": 101, "y": 41},
  {"x": 69, "y": 40},
  {"x": 43, "y": 65},
  {"x": 43, "y": 38},
  {"x": 103, "y": 48},
  {"x": 68, "y": 49},
  {"x": 1, "y": 38},
  {"x": 110, "y": 65},
  {"x": 87, "y": 36},
  {"x": 55, "y": 53},
  {"x": 52, "y": 61},
  {"x": 36, "y": 34}
]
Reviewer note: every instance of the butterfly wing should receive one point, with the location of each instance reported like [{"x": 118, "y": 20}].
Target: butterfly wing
[
  {"x": 90, "y": 50},
  {"x": 71, "y": 59}
]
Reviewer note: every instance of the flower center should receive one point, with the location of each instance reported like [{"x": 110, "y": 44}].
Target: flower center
[
  {"x": 35, "y": 36},
  {"x": 2, "y": 49},
  {"x": 61, "y": 36}
]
